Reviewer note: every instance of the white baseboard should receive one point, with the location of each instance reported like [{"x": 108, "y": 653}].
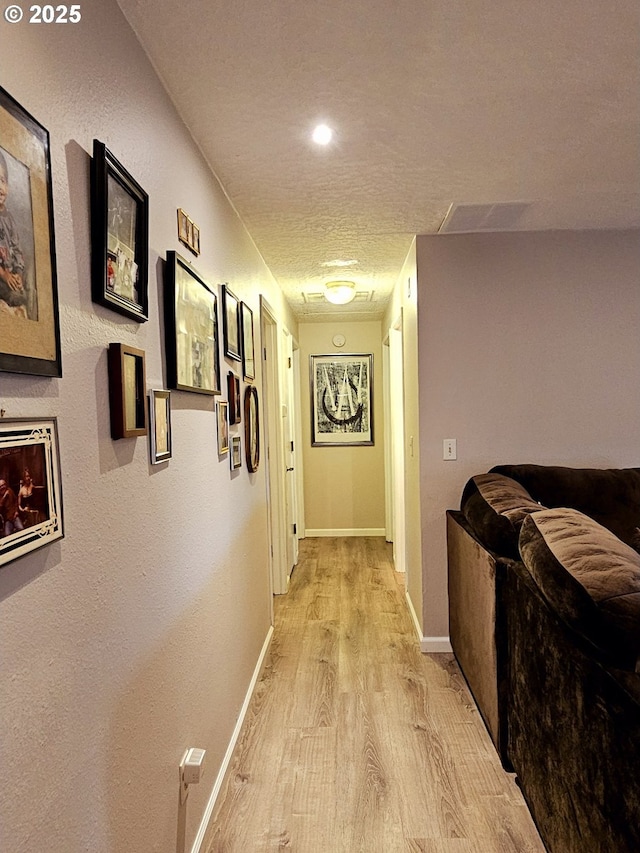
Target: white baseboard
[
  {"x": 414, "y": 617},
  {"x": 435, "y": 645},
  {"x": 346, "y": 531},
  {"x": 204, "y": 823}
]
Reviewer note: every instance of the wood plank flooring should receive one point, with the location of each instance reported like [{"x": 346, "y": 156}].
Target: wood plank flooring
[{"x": 355, "y": 742}]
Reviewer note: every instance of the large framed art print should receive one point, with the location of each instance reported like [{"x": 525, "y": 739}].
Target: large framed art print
[
  {"x": 191, "y": 325},
  {"x": 30, "y": 487},
  {"x": 341, "y": 400},
  {"x": 29, "y": 324}
]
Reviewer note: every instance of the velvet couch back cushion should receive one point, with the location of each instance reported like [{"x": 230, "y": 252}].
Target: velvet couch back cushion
[
  {"x": 589, "y": 577},
  {"x": 611, "y": 496},
  {"x": 494, "y": 506}
]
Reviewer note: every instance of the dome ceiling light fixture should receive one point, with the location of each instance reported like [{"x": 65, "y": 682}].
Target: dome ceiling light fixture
[
  {"x": 340, "y": 292},
  {"x": 322, "y": 134}
]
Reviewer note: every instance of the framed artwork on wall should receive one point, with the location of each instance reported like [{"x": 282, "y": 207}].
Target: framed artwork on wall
[
  {"x": 127, "y": 391},
  {"x": 29, "y": 322},
  {"x": 188, "y": 232},
  {"x": 119, "y": 237},
  {"x": 251, "y": 429},
  {"x": 236, "y": 452},
  {"x": 191, "y": 327},
  {"x": 222, "y": 411},
  {"x": 231, "y": 323},
  {"x": 160, "y": 425},
  {"x": 248, "y": 354},
  {"x": 30, "y": 486},
  {"x": 235, "y": 403},
  {"x": 341, "y": 400}
]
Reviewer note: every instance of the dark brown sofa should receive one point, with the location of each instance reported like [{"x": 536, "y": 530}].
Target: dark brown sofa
[{"x": 545, "y": 623}]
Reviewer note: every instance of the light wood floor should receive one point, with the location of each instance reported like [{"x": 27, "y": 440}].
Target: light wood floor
[{"x": 355, "y": 742}]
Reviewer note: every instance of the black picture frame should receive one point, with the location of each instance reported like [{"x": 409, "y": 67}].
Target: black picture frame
[
  {"x": 127, "y": 394},
  {"x": 251, "y": 428},
  {"x": 248, "y": 346},
  {"x": 341, "y": 400},
  {"x": 159, "y": 425},
  {"x": 119, "y": 237},
  {"x": 231, "y": 324},
  {"x": 29, "y": 319},
  {"x": 191, "y": 329},
  {"x": 30, "y": 486},
  {"x": 233, "y": 394}
]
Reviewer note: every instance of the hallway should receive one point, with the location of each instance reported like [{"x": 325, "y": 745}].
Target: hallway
[{"x": 355, "y": 741}]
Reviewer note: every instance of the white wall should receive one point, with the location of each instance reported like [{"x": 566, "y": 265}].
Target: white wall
[
  {"x": 529, "y": 352},
  {"x": 343, "y": 486},
  {"x": 137, "y": 635}
]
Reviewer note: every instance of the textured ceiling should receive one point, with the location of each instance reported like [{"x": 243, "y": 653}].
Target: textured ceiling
[{"x": 433, "y": 103}]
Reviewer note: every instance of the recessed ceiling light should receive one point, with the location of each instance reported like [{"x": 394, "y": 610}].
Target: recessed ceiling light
[{"x": 322, "y": 135}]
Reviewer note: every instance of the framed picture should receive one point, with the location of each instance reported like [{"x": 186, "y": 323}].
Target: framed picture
[
  {"x": 30, "y": 486},
  {"x": 222, "y": 410},
  {"x": 127, "y": 391},
  {"x": 248, "y": 355},
  {"x": 341, "y": 400},
  {"x": 119, "y": 237},
  {"x": 188, "y": 232},
  {"x": 29, "y": 323},
  {"x": 191, "y": 326},
  {"x": 235, "y": 404},
  {"x": 251, "y": 429},
  {"x": 231, "y": 323},
  {"x": 160, "y": 425},
  {"x": 236, "y": 452}
]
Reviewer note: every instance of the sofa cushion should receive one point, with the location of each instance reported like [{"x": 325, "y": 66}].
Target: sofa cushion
[
  {"x": 495, "y": 506},
  {"x": 589, "y": 577},
  {"x": 611, "y": 496}
]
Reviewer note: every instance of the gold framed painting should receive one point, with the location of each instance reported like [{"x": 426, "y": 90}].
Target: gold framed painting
[{"x": 29, "y": 321}]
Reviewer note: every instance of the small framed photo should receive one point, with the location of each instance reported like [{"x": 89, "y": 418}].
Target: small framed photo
[
  {"x": 231, "y": 323},
  {"x": 233, "y": 392},
  {"x": 196, "y": 240},
  {"x": 248, "y": 354},
  {"x": 236, "y": 452},
  {"x": 191, "y": 323},
  {"x": 251, "y": 429},
  {"x": 29, "y": 322},
  {"x": 222, "y": 411},
  {"x": 127, "y": 391},
  {"x": 30, "y": 486},
  {"x": 119, "y": 237},
  {"x": 341, "y": 400},
  {"x": 188, "y": 232},
  {"x": 160, "y": 425},
  {"x": 183, "y": 230}
]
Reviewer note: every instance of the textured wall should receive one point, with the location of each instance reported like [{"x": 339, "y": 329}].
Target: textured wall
[
  {"x": 344, "y": 486},
  {"x": 136, "y": 636},
  {"x": 529, "y": 352}
]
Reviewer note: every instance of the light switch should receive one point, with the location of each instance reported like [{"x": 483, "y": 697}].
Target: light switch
[{"x": 449, "y": 450}]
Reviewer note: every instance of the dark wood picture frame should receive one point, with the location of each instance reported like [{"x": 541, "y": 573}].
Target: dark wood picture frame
[
  {"x": 29, "y": 319},
  {"x": 248, "y": 346},
  {"x": 233, "y": 393},
  {"x": 191, "y": 329},
  {"x": 341, "y": 400},
  {"x": 127, "y": 395},
  {"x": 30, "y": 486},
  {"x": 235, "y": 457},
  {"x": 188, "y": 232},
  {"x": 231, "y": 324},
  {"x": 159, "y": 425},
  {"x": 251, "y": 428},
  {"x": 119, "y": 237}
]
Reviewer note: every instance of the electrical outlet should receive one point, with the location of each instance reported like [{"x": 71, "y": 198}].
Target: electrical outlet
[{"x": 449, "y": 449}]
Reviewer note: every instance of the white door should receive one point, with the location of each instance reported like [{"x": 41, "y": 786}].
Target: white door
[
  {"x": 396, "y": 399},
  {"x": 290, "y": 454}
]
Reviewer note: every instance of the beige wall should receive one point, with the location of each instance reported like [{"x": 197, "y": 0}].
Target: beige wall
[
  {"x": 137, "y": 635},
  {"x": 404, "y": 304},
  {"x": 529, "y": 352},
  {"x": 343, "y": 486}
]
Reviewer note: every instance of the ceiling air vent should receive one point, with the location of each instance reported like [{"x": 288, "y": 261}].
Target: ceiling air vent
[{"x": 466, "y": 218}]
